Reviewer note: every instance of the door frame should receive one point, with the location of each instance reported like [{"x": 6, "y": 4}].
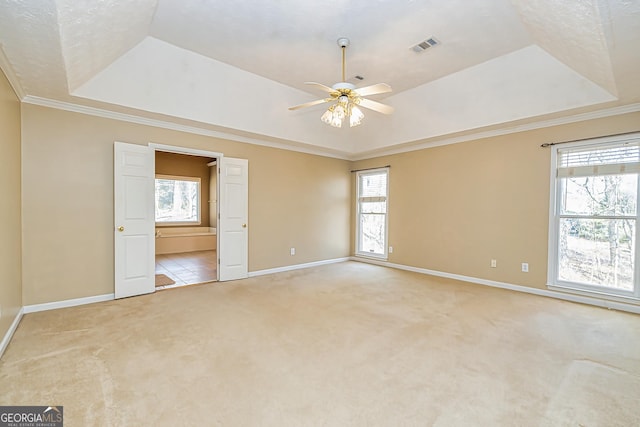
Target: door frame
[{"x": 194, "y": 152}]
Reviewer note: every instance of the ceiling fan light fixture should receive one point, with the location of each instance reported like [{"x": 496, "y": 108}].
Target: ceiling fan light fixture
[
  {"x": 356, "y": 116},
  {"x": 334, "y": 115},
  {"x": 327, "y": 117},
  {"x": 346, "y": 98}
]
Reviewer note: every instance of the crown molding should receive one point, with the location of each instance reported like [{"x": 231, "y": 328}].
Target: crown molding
[
  {"x": 318, "y": 151},
  {"x": 6, "y": 67},
  {"x": 614, "y": 111},
  {"x": 131, "y": 118}
]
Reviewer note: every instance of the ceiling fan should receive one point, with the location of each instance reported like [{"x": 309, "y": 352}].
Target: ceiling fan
[{"x": 347, "y": 98}]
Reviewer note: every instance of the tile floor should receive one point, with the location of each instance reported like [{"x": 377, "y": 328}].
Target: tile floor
[{"x": 187, "y": 268}]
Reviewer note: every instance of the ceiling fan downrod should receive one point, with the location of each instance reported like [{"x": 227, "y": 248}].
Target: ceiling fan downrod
[{"x": 343, "y": 42}]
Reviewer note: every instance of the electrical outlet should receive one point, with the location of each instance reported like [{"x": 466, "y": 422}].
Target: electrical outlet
[
  {"x": 390, "y": 249},
  {"x": 494, "y": 263},
  {"x": 293, "y": 251},
  {"x": 525, "y": 267}
]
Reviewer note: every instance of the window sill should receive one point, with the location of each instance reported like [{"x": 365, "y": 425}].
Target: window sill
[
  {"x": 594, "y": 294},
  {"x": 376, "y": 257}
]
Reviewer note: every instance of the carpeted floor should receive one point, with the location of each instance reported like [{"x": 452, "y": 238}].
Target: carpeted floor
[{"x": 348, "y": 344}]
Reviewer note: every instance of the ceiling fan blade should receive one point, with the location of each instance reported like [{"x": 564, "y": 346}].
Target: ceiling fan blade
[
  {"x": 321, "y": 87},
  {"x": 375, "y": 106},
  {"x": 309, "y": 104},
  {"x": 373, "y": 89}
]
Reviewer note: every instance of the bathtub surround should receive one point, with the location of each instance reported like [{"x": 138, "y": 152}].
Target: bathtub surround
[
  {"x": 173, "y": 240},
  {"x": 344, "y": 344}
]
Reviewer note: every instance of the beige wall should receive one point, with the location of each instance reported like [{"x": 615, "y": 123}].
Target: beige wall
[
  {"x": 191, "y": 166},
  {"x": 454, "y": 208},
  {"x": 295, "y": 199},
  {"x": 10, "y": 212}
]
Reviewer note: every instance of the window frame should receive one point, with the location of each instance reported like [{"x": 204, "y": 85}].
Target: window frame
[
  {"x": 384, "y": 256},
  {"x": 555, "y": 216},
  {"x": 196, "y": 179}
]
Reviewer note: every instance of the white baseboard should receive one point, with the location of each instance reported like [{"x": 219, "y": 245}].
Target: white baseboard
[
  {"x": 297, "y": 266},
  {"x": 615, "y": 305},
  {"x": 12, "y": 329},
  {"x": 67, "y": 303}
]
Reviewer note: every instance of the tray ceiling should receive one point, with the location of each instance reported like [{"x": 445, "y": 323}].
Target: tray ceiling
[{"x": 235, "y": 67}]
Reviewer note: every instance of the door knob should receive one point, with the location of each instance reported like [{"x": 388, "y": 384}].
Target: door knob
[
  {"x": 121, "y": 228},
  {"x": 244, "y": 225}
]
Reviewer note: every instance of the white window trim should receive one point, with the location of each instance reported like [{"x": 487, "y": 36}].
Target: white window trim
[
  {"x": 182, "y": 178},
  {"x": 385, "y": 255},
  {"x": 554, "y": 222}
]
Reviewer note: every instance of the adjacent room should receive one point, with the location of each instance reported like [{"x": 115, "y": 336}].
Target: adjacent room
[
  {"x": 405, "y": 213},
  {"x": 185, "y": 218}
]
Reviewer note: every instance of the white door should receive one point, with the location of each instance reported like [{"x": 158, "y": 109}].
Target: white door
[
  {"x": 233, "y": 225},
  {"x": 134, "y": 220}
]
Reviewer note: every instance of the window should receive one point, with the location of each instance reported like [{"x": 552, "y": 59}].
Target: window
[
  {"x": 177, "y": 200},
  {"x": 371, "y": 226},
  {"x": 593, "y": 228}
]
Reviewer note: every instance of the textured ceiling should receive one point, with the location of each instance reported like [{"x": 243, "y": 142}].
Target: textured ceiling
[
  {"x": 235, "y": 67},
  {"x": 104, "y": 31},
  {"x": 294, "y": 42}
]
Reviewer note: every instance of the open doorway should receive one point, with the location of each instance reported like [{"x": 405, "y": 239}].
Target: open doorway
[
  {"x": 185, "y": 219},
  {"x": 134, "y": 217}
]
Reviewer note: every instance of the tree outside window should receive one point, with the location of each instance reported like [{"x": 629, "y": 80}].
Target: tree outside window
[
  {"x": 177, "y": 200},
  {"x": 593, "y": 229},
  {"x": 372, "y": 213}
]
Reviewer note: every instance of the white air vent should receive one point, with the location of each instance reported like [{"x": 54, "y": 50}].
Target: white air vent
[{"x": 428, "y": 43}]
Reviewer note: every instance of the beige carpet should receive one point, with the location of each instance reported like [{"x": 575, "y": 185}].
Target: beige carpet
[{"x": 340, "y": 345}]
